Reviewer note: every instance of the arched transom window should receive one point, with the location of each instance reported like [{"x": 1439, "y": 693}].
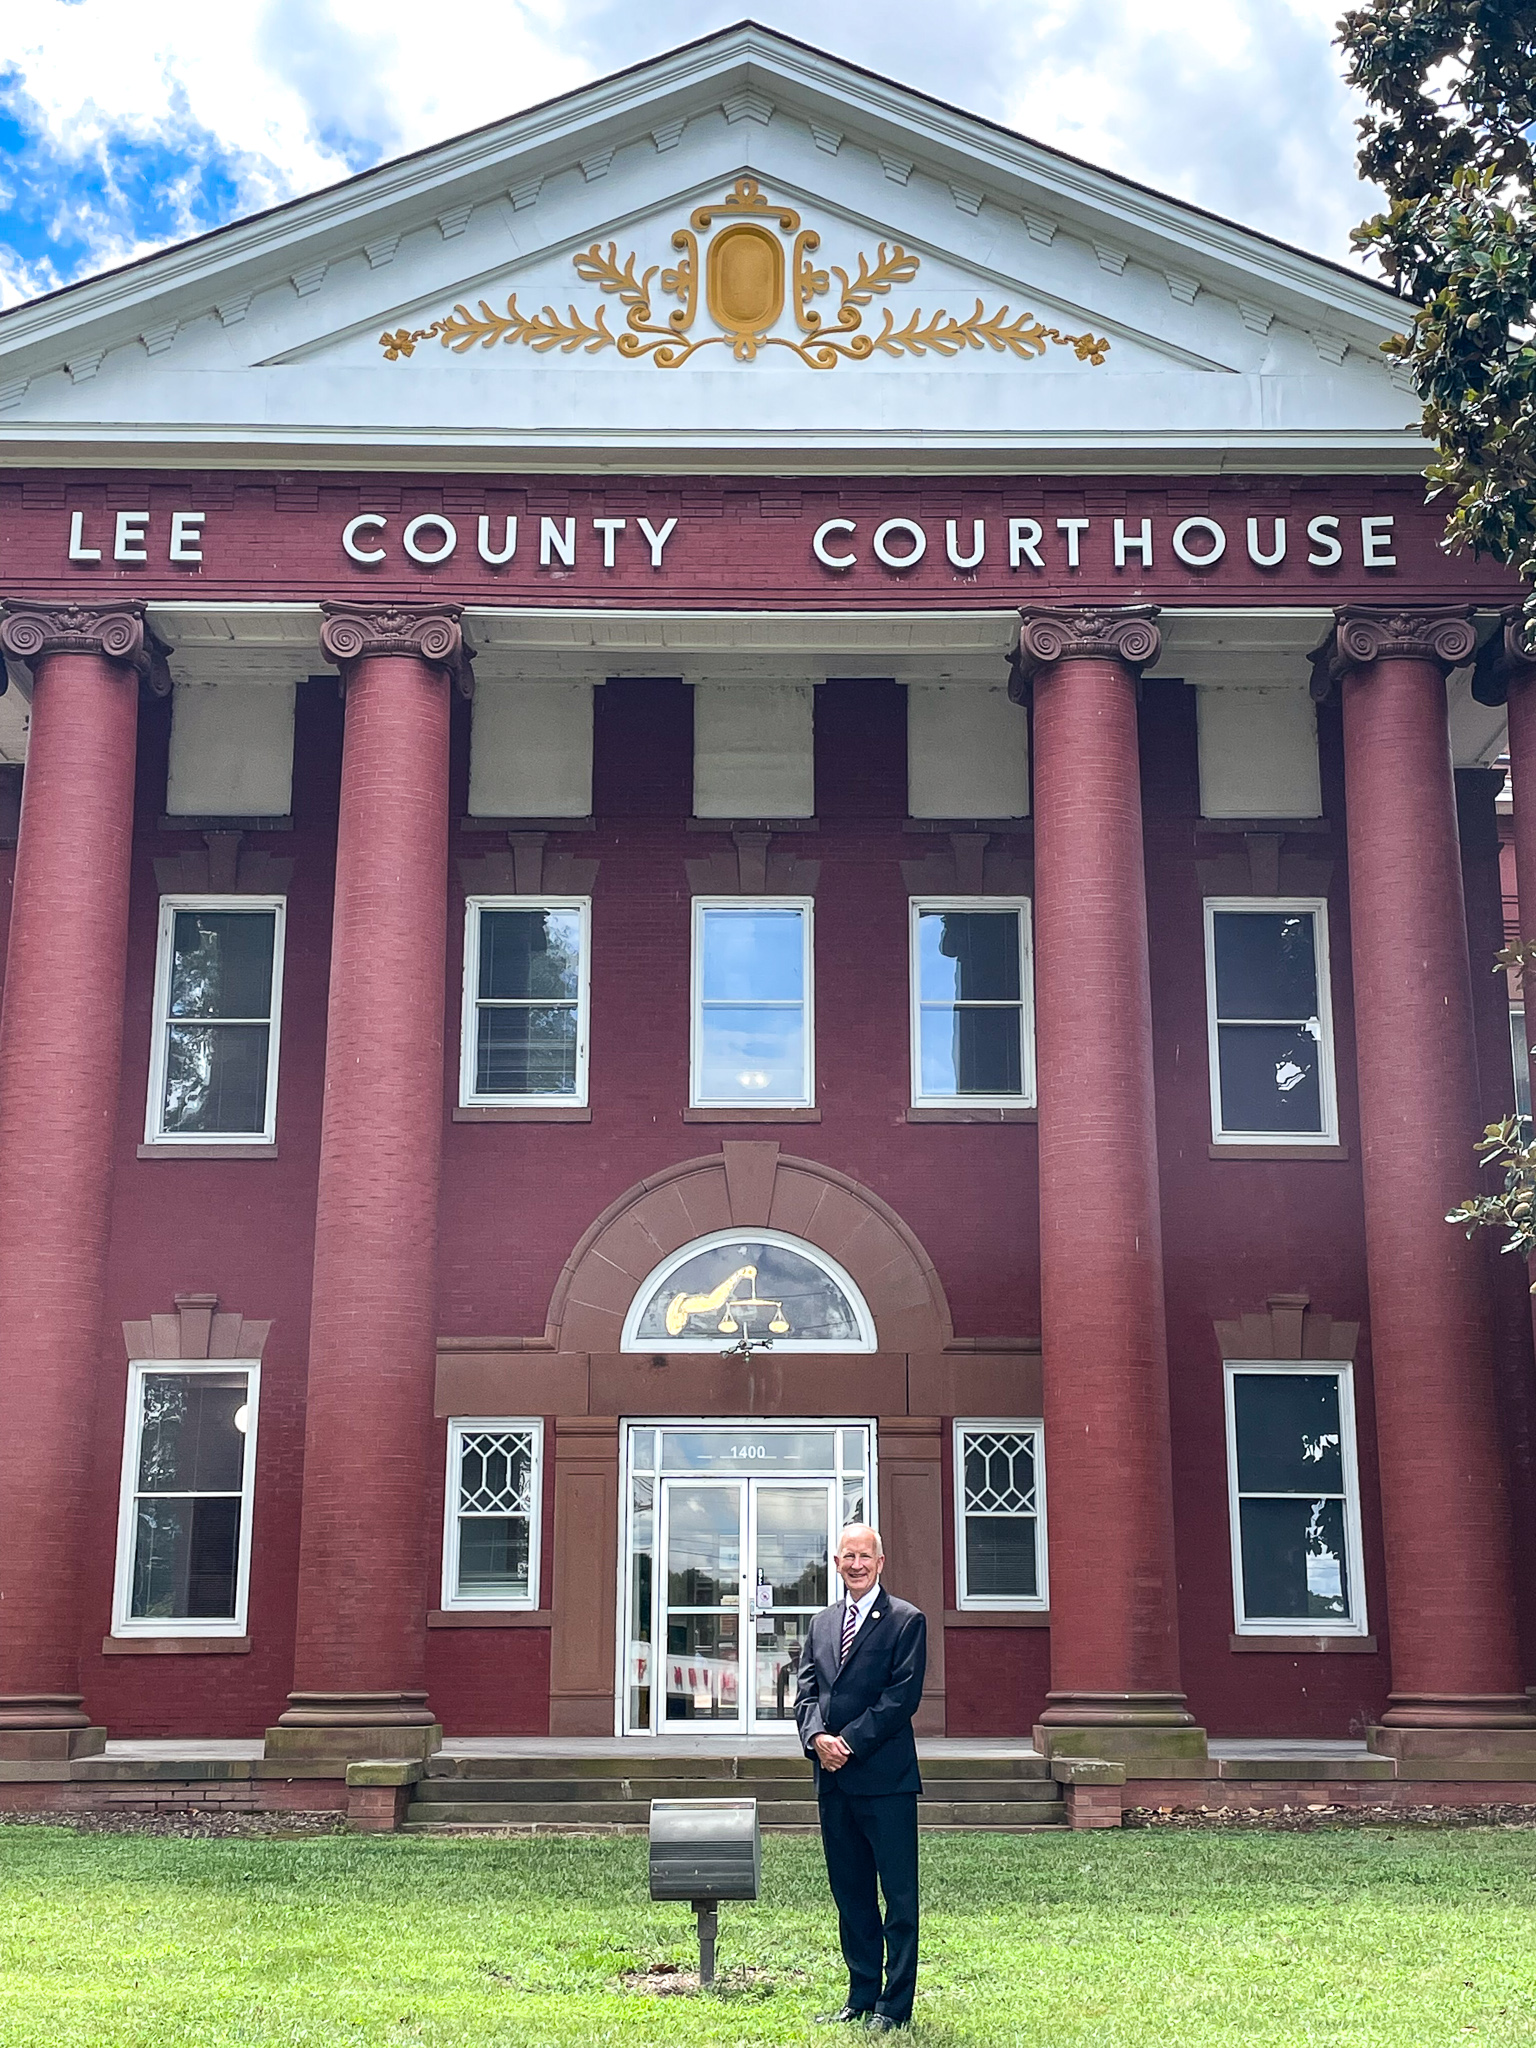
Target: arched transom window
[{"x": 755, "y": 1283}]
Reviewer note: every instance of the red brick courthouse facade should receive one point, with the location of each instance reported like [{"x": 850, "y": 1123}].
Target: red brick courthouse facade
[{"x": 641, "y": 926}]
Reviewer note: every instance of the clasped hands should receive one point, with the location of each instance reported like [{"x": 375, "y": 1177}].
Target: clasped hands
[{"x": 831, "y": 1751}]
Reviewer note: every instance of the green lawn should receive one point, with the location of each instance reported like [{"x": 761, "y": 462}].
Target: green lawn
[{"x": 1402, "y": 1936}]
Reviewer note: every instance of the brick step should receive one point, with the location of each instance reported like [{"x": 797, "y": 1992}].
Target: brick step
[
  {"x": 793, "y": 1813},
  {"x": 618, "y": 1791}
]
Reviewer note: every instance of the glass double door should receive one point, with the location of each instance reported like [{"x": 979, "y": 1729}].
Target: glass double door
[{"x": 745, "y": 1563}]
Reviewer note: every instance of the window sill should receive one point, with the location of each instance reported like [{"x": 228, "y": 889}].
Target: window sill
[
  {"x": 751, "y": 1113},
  {"x": 1279, "y": 1151},
  {"x": 932, "y": 1113},
  {"x": 176, "y": 1646},
  {"x": 490, "y": 1617},
  {"x": 211, "y": 1149},
  {"x": 1306, "y": 1646},
  {"x": 521, "y": 1113},
  {"x": 997, "y": 1617}
]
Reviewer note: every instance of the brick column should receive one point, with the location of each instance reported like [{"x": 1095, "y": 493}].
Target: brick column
[
  {"x": 1506, "y": 674},
  {"x": 365, "y": 1544},
  {"x": 1115, "y": 1688},
  {"x": 1456, "y": 1682},
  {"x": 61, "y": 1031}
]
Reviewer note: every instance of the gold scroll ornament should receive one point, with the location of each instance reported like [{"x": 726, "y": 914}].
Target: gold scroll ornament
[{"x": 746, "y": 267}]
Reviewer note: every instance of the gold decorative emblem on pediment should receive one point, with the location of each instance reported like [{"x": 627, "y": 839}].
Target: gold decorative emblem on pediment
[{"x": 750, "y": 261}]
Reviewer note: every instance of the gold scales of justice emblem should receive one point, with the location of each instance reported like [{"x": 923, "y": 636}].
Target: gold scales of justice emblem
[
  {"x": 739, "y": 257},
  {"x": 727, "y": 1301}
]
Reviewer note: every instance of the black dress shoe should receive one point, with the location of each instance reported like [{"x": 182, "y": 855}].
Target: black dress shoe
[
  {"x": 845, "y": 2016},
  {"x": 882, "y": 2023}
]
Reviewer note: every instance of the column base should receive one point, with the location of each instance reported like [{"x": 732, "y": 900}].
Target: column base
[
  {"x": 343, "y": 1726},
  {"x": 1146, "y": 1750},
  {"x": 1456, "y": 1712},
  {"x": 1152, "y": 1733},
  {"x": 1509, "y": 1743},
  {"x": 47, "y": 1727},
  {"x": 1116, "y": 1710}
]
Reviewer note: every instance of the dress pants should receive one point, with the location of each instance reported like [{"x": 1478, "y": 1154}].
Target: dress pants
[{"x": 865, "y": 1839}]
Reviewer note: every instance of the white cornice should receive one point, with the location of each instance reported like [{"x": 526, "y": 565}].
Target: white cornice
[{"x": 882, "y": 452}]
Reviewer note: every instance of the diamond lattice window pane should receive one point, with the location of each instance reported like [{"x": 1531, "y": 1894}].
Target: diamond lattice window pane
[
  {"x": 1000, "y": 1472},
  {"x": 496, "y": 1473}
]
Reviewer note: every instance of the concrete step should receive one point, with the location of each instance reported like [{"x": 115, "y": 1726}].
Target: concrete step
[
  {"x": 608, "y": 1791},
  {"x": 726, "y": 1771},
  {"x": 780, "y": 1813}
]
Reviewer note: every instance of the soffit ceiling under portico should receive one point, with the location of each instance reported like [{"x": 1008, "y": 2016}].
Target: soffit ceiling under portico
[{"x": 986, "y": 270}]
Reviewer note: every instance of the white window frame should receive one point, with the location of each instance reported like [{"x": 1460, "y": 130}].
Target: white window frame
[
  {"x": 460, "y": 1426},
  {"x": 969, "y": 1425},
  {"x": 1286, "y": 906},
  {"x": 469, "y": 1011},
  {"x": 918, "y": 908},
  {"x": 1358, "y": 1624},
  {"x": 170, "y": 907},
  {"x": 659, "y": 1274},
  {"x": 806, "y": 907},
  {"x": 124, "y": 1622},
  {"x": 1520, "y": 1058}
]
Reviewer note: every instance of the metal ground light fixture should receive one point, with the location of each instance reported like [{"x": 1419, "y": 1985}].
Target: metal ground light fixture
[{"x": 705, "y": 1850}]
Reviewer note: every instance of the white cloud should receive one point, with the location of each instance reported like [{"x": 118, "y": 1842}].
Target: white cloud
[{"x": 300, "y": 91}]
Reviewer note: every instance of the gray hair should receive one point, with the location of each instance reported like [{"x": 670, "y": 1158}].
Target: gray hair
[{"x": 861, "y": 1529}]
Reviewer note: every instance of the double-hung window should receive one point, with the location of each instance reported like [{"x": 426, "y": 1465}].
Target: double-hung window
[
  {"x": 525, "y": 1001},
  {"x": 1295, "y": 1500},
  {"x": 1270, "y": 1021},
  {"x": 189, "y": 1463},
  {"x": 491, "y": 1527},
  {"x": 752, "y": 1017},
  {"x": 1000, "y": 1515},
  {"x": 972, "y": 1027},
  {"x": 218, "y": 1000}
]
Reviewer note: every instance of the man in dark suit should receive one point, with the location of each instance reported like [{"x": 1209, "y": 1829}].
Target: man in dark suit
[{"x": 861, "y": 1678}]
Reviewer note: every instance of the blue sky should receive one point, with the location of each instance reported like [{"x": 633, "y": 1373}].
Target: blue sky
[{"x": 125, "y": 126}]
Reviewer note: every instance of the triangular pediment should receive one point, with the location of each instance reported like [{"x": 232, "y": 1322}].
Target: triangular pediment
[{"x": 743, "y": 250}]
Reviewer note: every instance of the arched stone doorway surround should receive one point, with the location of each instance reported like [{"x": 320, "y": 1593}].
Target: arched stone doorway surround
[
  {"x": 746, "y": 1185},
  {"x": 575, "y": 1374}
]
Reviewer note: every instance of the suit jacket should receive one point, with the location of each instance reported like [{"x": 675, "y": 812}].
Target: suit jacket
[{"x": 870, "y": 1700}]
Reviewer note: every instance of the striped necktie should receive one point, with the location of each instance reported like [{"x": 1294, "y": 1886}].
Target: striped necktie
[{"x": 850, "y": 1626}]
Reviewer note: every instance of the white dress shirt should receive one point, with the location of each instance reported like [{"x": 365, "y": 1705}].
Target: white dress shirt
[{"x": 861, "y": 1607}]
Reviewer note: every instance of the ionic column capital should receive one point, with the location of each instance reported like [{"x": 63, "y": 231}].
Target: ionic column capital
[
  {"x": 1507, "y": 659},
  {"x": 425, "y": 632},
  {"x": 1366, "y": 633},
  {"x": 1068, "y": 632},
  {"x": 31, "y": 630}
]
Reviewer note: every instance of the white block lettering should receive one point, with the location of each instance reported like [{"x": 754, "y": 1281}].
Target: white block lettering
[
  {"x": 1024, "y": 543},
  {"x": 1074, "y": 529},
  {"x": 508, "y": 541},
  {"x": 1215, "y": 534},
  {"x": 1276, "y": 554},
  {"x": 187, "y": 536},
  {"x": 913, "y": 532},
  {"x": 1323, "y": 532},
  {"x": 129, "y": 545},
  {"x": 553, "y": 541},
  {"x": 823, "y": 534},
  {"x": 1142, "y": 542},
  {"x": 425, "y": 522},
  {"x": 952, "y": 543},
  {"x": 78, "y": 551},
  {"x": 1376, "y": 543},
  {"x": 658, "y": 538},
  {"x": 609, "y": 529},
  {"x": 353, "y": 528}
]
